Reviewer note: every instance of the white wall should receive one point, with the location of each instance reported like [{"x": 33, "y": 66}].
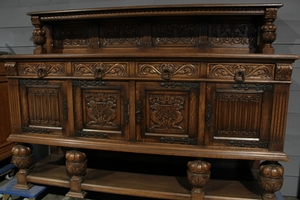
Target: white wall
[{"x": 15, "y": 37}]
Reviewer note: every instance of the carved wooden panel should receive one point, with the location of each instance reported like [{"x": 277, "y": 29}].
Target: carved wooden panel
[
  {"x": 250, "y": 70},
  {"x": 41, "y": 69},
  {"x": 237, "y": 117},
  {"x": 168, "y": 69},
  {"x": 241, "y": 34},
  {"x": 173, "y": 33},
  {"x": 167, "y": 114},
  {"x": 44, "y": 107},
  {"x": 103, "y": 69},
  {"x": 102, "y": 110},
  {"x": 121, "y": 34},
  {"x": 69, "y": 35}
]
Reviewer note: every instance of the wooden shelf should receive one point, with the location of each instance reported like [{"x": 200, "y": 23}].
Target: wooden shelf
[{"x": 52, "y": 171}]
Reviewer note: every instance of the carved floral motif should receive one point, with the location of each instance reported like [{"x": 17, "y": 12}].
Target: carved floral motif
[
  {"x": 49, "y": 68},
  {"x": 11, "y": 69},
  {"x": 101, "y": 109},
  {"x": 121, "y": 33},
  {"x": 283, "y": 72},
  {"x": 175, "y": 33},
  {"x": 231, "y": 34},
  {"x": 166, "y": 111},
  {"x": 108, "y": 69},
  {"x": 198, "y": 174},
  {"x": 250, "y": 70},
  {"x": 175, "y": 69}
]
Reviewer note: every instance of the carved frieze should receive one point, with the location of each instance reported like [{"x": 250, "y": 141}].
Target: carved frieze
[
  {"x": 180, "y": 34},
  {"x": 183, "y": 85},
  {"x": 283, "y": 72},
  {"x": 107, "y": 69},
  {"x": 166, "y": 111},
  {"x": 180, "y": 140},
  {"x": 251, "y": 71},
  {"x": 251, "y": 144},
  {"x": 121, "y": 34},
  {"x": 91, "y": 134},
  {"x": 256, "y": 87},
  {"x": 70, "y": 35},
  {"x": 48, "y": 68},
  {"x": 35, "y": 130},
  {"x": 174, "y": 69},
  {"x": 233, "y": 34},
  {"x": 11, "y": 69},
  {"x": 101, "y": 109}
]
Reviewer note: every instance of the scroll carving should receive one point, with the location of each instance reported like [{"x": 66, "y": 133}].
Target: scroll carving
[
  {"x": 11, "y": 69},
  {"x": 50, "y": 69},
  {"x": 166, "y": 111},
  {"x": 232, "y": 34},
  {"x": 121, "y": 33},
  {"x": 69, "y": 35},
  {"x": 109, "y": 69},
  {"x": 250, "y": 70},
  {"x": 283, "y": 72},
  {"x": 175, "y": 33},
  {"x": 176, "y": 69},
  {"x": 101, "y": 109}
]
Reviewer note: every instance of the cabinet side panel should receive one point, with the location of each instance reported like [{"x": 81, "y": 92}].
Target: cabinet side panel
[{"x": 13, "y": 93}]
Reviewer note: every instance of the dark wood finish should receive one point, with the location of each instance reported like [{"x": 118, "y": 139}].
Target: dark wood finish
[
  {"x": 196, "y": 81},
  {"x": 5, "y": 125}
]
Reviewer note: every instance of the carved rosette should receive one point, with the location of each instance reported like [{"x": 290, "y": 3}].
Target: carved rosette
[
  {"x": 198, "y": 174},
  {"x": 38, "y": 33},
  {"x": 268, "y": 35},
  {"x": 270, "y": 179},
  {"x": 22, "y": 156},
  {"x": 76, "y": 162},
  {"x": 283, "y": 72}
]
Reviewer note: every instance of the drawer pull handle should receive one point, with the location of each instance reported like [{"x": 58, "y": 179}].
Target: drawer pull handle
[
  {"x": 239, "y": 76},
  {"x": 166, "y": 73},
  {"x": 41, "y": 72},
  {"x": 98, "y": 73}
]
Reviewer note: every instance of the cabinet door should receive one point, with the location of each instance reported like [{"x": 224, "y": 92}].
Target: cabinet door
[
  {"x": 101, "y": 109},
  {"x": 44, "y": 107},
  {"x": 238, "y": 115},
  {"x": 167, "y": 112}
]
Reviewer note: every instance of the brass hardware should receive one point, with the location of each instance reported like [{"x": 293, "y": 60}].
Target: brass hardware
[
  {"x": 41, "y": 72},
  {"x": 166, "y": 73},
  {"x": 98, "y": 73}
]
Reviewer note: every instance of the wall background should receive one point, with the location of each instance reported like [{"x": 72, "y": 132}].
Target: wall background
[{"x": 16, "y": 30}]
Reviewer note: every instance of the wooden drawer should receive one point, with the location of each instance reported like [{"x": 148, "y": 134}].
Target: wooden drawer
[
  {"x": 100, "y": 69},
  {"x": 41, "y": 69},
  {"x": 168, "y": 70},
  {"x": 240, "y": 71}
]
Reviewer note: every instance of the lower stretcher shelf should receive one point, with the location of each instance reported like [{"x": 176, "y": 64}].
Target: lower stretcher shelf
[{"x": 52, "y": 171}]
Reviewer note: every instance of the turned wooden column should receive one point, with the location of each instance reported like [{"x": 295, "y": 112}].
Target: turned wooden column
[
  {"x": 268, "y": 31},
  {"x": 38, "y": 33},
  {"x": 270, "y": 179},
  {"x": 22, "y": 159},
  {"x": 76, "y": 165},
  {"x": 198, "y": 174}
]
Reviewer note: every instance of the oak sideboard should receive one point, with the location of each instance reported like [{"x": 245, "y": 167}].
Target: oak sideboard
[{"x": 187, "y": 81}]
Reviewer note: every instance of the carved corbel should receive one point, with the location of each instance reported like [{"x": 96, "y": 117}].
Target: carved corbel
[
  {"x": 283, "y": 72},
  {"x": 38, "y": 33},
  {"x": 11, "y": 68},
  {"x": 268, "y": 31}
]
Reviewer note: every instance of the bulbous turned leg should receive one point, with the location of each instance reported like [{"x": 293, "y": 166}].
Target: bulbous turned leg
[
  {"x": 270, "y": 179},
  {"x": 76, "y": 165},
  {"x": 22, "y": 159},
  {"x": 198, "y": 174}
]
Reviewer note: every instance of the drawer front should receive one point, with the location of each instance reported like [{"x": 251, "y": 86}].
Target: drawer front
[
  {"x": 41, "y": 69},
  {"x": 240, "y": 71},
  {"x": 100, "y": 70},
  {"x": 167, "y": 70}
]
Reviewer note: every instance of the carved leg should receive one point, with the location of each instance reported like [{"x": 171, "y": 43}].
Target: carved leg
[
  {"x": 198, "y": 174},
  {"x": 22, "y": 159},
  {"x": 270, "y": 179},
  {"x": 76, "y": 166}
]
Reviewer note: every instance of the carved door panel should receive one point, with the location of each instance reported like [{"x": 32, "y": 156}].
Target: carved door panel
[
  {"x": 167, "y": 112},
  {"x": 238, "y": 115},
  {"x": 44, "y": 107},
  {"x": 101, "y": 109}
]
